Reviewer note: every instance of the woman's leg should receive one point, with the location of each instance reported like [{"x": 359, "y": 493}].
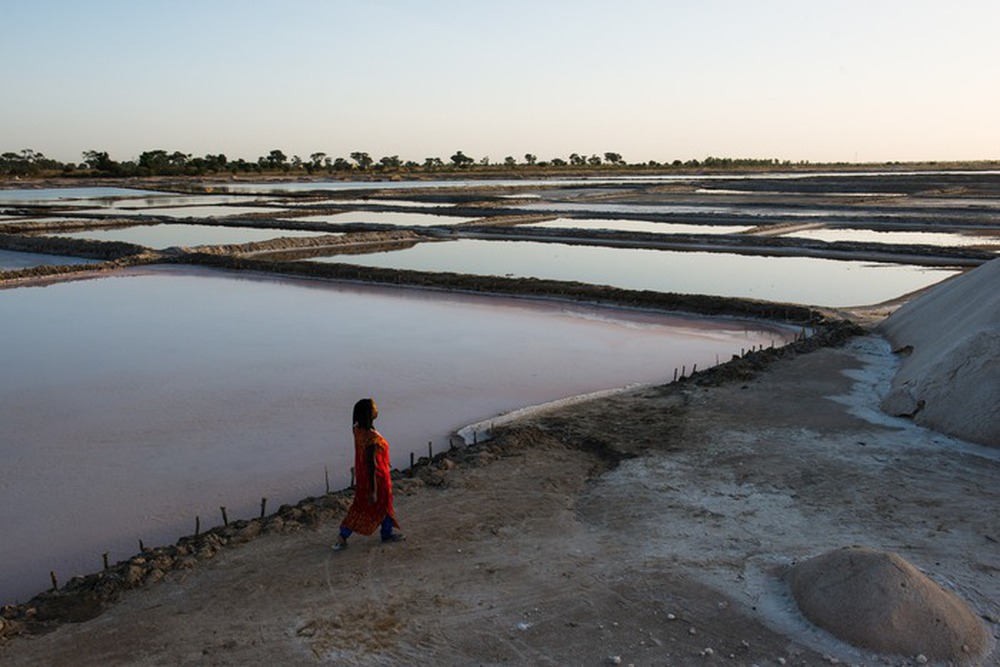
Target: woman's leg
[
  {"x": 341, "y": 542},
  {"x": 386, "y": 530}
]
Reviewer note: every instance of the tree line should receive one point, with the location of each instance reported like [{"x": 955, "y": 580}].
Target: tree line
[{"x": 28, "y": 162}]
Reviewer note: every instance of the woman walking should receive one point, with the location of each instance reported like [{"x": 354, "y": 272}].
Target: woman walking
[{"x": 372, "y": 505}]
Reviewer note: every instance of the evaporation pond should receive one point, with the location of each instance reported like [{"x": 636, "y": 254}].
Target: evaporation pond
[
  {"x": 802, "y": 280},
  {"x": 132, "y": 403},
  {"x": 209, "y": 211},
  {"x": 12, "y": 260},
  {"x": 971, "y": 238},
  {"x": 397, "y": 218},
  {"x": 618, "y": 225},
  {"x": 169, "y": 235},
  {"x": 68, "y": 195},
  {"x": 410, "y": 203}
]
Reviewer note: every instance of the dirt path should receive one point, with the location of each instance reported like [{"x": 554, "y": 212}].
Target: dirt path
[{"x": 545, "y": 551}]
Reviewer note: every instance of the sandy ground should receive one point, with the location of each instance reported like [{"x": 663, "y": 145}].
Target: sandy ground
[{"x": 649, "y": 528}]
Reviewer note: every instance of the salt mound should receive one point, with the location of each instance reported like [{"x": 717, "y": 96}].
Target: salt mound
[
  {"x": 876, "y": 600},
  {"x": 950, "y": 381}
]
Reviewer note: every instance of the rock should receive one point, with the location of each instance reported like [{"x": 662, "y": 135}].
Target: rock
[
  {"x": 901, "y": 402},
  {"x": 134, "y": 575},
  {"x": 877, "y": 600},
  {"x": 155, "y": 575},
  {"x": 185, "y": 563},
  {"x": 433, "y": 477},
  {"x": 163, "y": 563}
]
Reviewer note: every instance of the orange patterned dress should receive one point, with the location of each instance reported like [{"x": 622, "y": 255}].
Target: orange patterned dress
[{"x": 371, "y": 462}]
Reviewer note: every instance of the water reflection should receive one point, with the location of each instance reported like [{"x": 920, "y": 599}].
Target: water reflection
[
  {"x": 803, "y": 280},
  {"x": 130, "y": 404},
  {"x": 203, "y": 211},
  {"x": 411, "y": 203},
  {"x": 67, "y": 195},
  {"x": 11, "y": 260},
  {"x": 162, "y": 236},
  {"x": 396, "y": 218},
  {"x": 946, "y": 239},
  {"x": 637, "y": 226},
  {"x": 728, "y": 210}
]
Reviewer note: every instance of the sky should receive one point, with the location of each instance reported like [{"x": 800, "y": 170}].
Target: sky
[{"x": 798, "y": 80}]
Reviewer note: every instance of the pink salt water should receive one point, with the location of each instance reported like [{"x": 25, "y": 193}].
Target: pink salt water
[{"x": 133, "y": 403}]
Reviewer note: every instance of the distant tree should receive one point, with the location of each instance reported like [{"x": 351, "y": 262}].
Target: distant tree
[
  {"x": 364, "y": 160},
  {"x": 529, "y": 158},
  {"x": 460, "y": 159},
  {"x": 613, "y": 158},
  {"x": 217, "y": 162},
  {"x": 100, "y": 161},
  {"x": 433, "y": 163},
  {"x": 577, "y": 160},
  {"x": 316, "y": 159},
  {"x": 178, "y": 159},
  {"x": 594, "y": 160},
  {"x": 391, "y": 162},
  {"x": 241, "y": 165},
  {"x": 509, "y": 161},
  {"x": 340, "y": 164},
  {"x": 485, "y": 161},
  {"x": 276, "y": 159},
  {"x": 28, "y": 162},
  {"x": 155, "y": 162}
]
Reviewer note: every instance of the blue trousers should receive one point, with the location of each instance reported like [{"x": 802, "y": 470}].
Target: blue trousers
[{"x": 385, "y": 531}]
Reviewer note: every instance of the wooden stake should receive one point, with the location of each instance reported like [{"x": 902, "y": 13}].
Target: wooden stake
[
  {"x": 104, "y": 557},
  {"x": 675, "y": 375},
  {"x": 142, "y": 547},
  {"x": 225, "y": 519},
  {"x": 411, "y": 460},
  {"x": 352, "y": 477},
  {"x": 197, "y": 526},
  {"x": 326, "y": 474},
  {"x": 430, "y": 451},
  {"x": 263, "y": 506},
  {"x": 55, "y": 582}
]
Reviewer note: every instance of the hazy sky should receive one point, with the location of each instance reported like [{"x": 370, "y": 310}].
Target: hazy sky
[{"x": 817, "y": 80}]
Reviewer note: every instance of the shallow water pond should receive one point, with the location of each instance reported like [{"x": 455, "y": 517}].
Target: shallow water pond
[
  {"x": 221, "y": 211},
  {"x": 183, "y": 235},
  {"x": 411, "y": 203},
  {"x": 75, "y": 196},
  {"x": 752, "y": 213},
  {"x": 11, "y": 260},
  {"x": 637, "y": 226},
  {"x": 803, "y": 280},
  {"x": 399, "y": 218},
  {"x": 944, "y": 239},
  {"x": 131, "y": 403}
]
